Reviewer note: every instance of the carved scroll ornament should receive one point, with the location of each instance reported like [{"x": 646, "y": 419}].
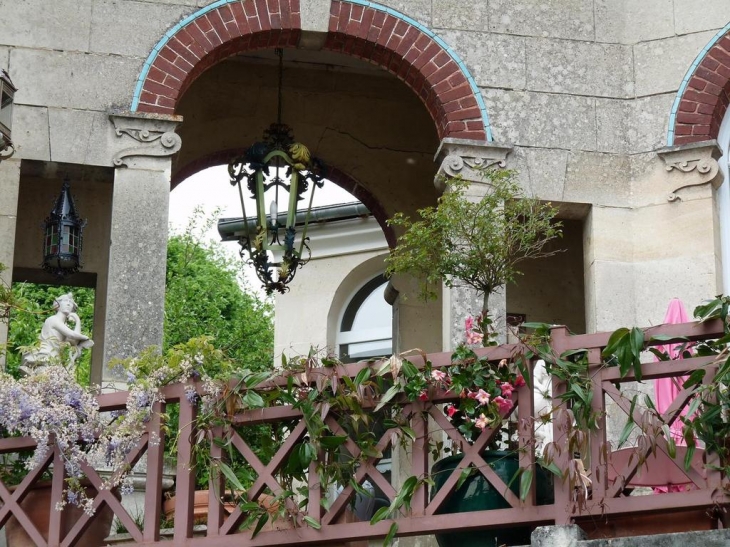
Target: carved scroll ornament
[{"x": 155, "y": 143}]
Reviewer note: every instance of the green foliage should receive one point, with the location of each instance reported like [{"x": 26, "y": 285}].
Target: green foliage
[
  {"x": 204, "y": 297},
  {"x": 480, "y": 243},
  {"x": 32, "y": 305}
]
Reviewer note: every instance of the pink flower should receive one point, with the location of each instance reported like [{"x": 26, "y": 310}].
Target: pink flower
[
  {"x": 507, "y": 389},
  {"x": 474, "y": 337},
  {"x": 451, "y": 410},
  {"x": 482, "y": 396},
  {"x": 438, "y": 375},
  {"x": 423, "y": 396},
  {"x": 505, "y": 405},
  {"x": 469, "y": 324},
  {"x": 520, "y": 381},
  {"x": 481, "y": 422},
  {"x": 503, "y": 363}
]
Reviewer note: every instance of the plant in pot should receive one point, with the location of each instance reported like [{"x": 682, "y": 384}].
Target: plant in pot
[{"x": 479, "y": 243}]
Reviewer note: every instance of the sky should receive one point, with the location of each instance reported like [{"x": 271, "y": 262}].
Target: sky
[{"x": 210, "y": 189}]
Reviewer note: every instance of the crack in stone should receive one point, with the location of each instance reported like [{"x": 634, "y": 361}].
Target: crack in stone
[{"x": 366, "y": 145}]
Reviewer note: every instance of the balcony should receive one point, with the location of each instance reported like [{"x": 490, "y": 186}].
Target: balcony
[{"x": 611, "y": 507}]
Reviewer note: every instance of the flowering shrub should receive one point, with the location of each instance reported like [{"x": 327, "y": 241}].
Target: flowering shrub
[
  {"x": 484, "y": 389},
  {"x": 51, "y": 407}
]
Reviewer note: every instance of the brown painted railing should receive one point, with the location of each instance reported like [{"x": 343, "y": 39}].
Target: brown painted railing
[{"x": 610, "y": 475}]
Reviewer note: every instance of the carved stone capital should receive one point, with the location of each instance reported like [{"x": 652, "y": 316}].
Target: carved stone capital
[
  {"x": 144, "y": 135},
  {"x": 691, "y": 165},
  {"x": 466, "y": 158}
]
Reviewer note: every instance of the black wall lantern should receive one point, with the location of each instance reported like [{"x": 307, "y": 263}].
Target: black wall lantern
[
  {"x": 7, "y": 94},
  {"x": 63, "y": 236},
  {"x": 271, "y": 168}
]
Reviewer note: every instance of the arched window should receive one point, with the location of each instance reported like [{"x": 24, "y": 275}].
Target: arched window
[{"x": 366, "y": 328}]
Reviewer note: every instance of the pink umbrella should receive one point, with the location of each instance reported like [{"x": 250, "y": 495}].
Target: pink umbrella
[{"x": 667, "y": 389}]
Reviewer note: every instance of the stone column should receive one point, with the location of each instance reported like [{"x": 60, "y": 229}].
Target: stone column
[
  {"x": 135, "y": 292},
  {"x": 9, "y": 186},
  {"x": 465, "y": 158}
]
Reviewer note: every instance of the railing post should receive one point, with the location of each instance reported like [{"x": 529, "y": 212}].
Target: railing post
[
  {"x": 419, "y": 424},
  {"x": 599, "y": 465},
  {"x": 153, "y": 488},
  {"x": 558, "y": 342},
  {"x": 216, "y": 487},
  {"x": 55, "y": 520},
  {"x": 526, "y": 431},
  {"x": 185, "y": 477}
]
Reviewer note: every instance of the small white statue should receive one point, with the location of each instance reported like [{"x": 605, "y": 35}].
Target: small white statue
[
  {"x": 56, "y": 332},
  {"x": 543, "y": 391}
]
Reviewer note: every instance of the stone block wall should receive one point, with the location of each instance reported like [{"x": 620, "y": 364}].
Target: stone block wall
[{"x": 583, "y": 90}]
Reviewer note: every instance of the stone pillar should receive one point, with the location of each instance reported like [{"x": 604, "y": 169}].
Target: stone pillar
[
  {"x": 465, "y": 158},
  {"x": 9, "y": 187},
  {"x": 135, "y": 292}
]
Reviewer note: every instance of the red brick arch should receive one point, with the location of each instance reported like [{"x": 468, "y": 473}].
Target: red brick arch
[
  {"x": 365, "y": 32},
  {"x": 704, "y": 97}
]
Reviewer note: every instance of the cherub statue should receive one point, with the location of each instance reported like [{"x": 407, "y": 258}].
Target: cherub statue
[{"x": 56, "y": 332}]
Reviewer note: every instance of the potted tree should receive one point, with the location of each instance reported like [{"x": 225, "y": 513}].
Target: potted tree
[{"x": 479, "y": 243}]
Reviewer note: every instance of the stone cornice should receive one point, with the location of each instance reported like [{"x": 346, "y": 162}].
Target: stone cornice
[
  {"x": 465, "y": 158},
  {"x": 691, "y": 165},
  {"x": 146, "y": 135}
]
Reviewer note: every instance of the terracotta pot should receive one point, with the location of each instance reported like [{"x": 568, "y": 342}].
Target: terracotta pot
[
  {"x": 200, "y": 507},
  {"x": 37, "y": 505}
]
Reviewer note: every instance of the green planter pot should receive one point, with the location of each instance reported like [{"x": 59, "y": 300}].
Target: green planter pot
[{"x": 476, "y": 494}]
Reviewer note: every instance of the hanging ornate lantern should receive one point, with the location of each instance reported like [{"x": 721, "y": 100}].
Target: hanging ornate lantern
[
  {"x": 63, "y": 231},
  {"x": 7, "y": 94},
  {"x": 276, "y": 166}
]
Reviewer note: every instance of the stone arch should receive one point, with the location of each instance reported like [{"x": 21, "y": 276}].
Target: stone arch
[
  {"x": 342, "y": 179},
  {"x": 374, "y": 33},
  {"x": 704, "y": 94}
]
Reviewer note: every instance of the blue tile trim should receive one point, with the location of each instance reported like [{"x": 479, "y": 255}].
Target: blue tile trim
[
  {"x": 683, "y": 86},
  {"x": 455, "y": 56},
  {"x": 190, "y": 18},
  {"x": 163, "y": 41}
]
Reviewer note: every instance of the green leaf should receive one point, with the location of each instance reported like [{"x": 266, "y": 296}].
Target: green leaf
[
  {"x": 637, "y": 346},
  {"x": 388, "y": 541},
  {"x": 231, "y": 476},
  {"x": 380, "y": 514},
  {"x": 409, "y": 369},
  {"x": 613, "y": 341},
  {"x": 688, "y": 456},
  {"x": 693, "y": 406},
  {"x": 360, "y": 490},
  {"x": 465, "y": 474},
  {"x": 363, "y": 375},
  {"x": 625, "y": 432},
  {"x": 525, "y": 483},
  {"x": 408, "y": 432},
  {"x": 312, "y": 522},
  {"x": 667, "y": 338},
  {"x": 671, "y": 445},
  {"x": 695, "y": 378},
  {"x": 661, "y": 355},
  {"x": 333, "y": 441},
  {"x": 388, "y": 395},
  {"x": 253, "y": 400},
  {"x": 256, "y": 378},
  {"x": 263, "y": 519},
  {"x": 535, "y": 325}
]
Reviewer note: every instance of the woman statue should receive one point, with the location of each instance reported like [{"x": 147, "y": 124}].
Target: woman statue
[{"x": 56, "y": 332}]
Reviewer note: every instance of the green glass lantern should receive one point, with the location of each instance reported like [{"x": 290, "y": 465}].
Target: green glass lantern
[
  {"x": 7, "y": 96},
  {"x": 63, "y": 236},
  {"x": 277, "y": 172}
]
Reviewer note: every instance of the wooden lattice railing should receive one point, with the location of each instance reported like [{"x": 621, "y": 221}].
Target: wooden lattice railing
[{"x": 607, "y": 499}]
